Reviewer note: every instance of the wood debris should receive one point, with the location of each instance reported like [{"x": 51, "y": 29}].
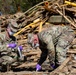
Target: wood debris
[{"x": 30, "y": 21}]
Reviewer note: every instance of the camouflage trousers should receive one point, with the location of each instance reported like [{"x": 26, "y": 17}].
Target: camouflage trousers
[
  {"x": 60, "y": 49},
  {"x": 63, "y": 44}
]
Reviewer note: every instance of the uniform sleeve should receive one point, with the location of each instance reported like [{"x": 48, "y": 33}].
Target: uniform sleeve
[
  {"x": 43, "y": 56},
  {"x": 50, "y": 48}
]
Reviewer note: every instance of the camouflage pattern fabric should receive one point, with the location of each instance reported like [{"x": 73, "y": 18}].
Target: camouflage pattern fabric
[
  {"x": 55, "y": 40},
  {"x": 6, "y": 54},
  {"x": 63, "y": 45},
  {"x": 5, "y": 38}
]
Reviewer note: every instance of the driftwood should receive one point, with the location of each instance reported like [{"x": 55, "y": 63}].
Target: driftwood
[
  {"x": 32, "y": 25},
  {"x": 72, "y": 51},
  {"x": 28, "y": 65},
  {"x": 27, "y": 23},
  {"x": 24, "y": 28},
  {"x": 72, "y": 23},
  {"x": 32, "y": 53},
  {"x": 25, "y": 73},
  {"x": 71, "y": 9}
]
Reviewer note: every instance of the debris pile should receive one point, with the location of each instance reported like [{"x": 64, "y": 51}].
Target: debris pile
[{"x": 38, "y": 18}]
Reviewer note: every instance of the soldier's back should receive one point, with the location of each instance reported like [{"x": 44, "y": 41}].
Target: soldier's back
[{"x": 54, "y": 32}]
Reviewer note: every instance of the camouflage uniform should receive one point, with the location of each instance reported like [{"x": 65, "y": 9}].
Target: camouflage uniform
[
  {"x": 6, "y": 38},
  {"x": 11, "y": 29},
  {"x": 54, "y": 42}
]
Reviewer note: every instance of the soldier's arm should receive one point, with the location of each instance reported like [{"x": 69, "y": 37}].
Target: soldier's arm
[
  {"x": 43, "y": 56},
  {"x": 50, "y": 48}
]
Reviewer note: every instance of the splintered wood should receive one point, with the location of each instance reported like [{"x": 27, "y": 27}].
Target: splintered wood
[{"x": 37, "y": 19}]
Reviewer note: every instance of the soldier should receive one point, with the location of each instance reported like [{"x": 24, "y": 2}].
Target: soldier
[
  {"x": 8, "y": 45},
  {"x": 10, "y": 30},
  {"x": 7, "y": 36},
  {"x": 53, "y": 42}
]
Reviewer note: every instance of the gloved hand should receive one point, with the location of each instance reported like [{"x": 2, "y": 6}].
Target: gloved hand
[
  {"x": 53, "y": 66},
  {"x": 38, "y": 67},
  {"x": 21, "y": 48},
  {"x": 12, "y": 45}
]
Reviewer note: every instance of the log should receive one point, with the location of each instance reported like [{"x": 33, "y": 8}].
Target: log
[
  {"x": 24, "y": 73},
  {"x": 23, "y": 29},
  {"x": 70, "y": 10},
  {"x": 74, "y": 41},
  {"x": 32, "y": 25},
  {"x": 27, "y": 65},
  {"x": 32, "y": 53},
  {"x": 72, "y": 51},
  {"x": 33, "y": 58},
  {"x": 72, "y": 23}
]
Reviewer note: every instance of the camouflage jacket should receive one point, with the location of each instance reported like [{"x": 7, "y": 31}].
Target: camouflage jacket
[
  {"x": 48, "y": 38},
  {"x": 4, "y": 36}
]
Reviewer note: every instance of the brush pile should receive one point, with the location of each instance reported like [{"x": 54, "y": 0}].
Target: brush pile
[{"x": 36, "y": 19}]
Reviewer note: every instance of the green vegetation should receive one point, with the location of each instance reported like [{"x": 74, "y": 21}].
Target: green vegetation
[{"x": 12, "y": 6}]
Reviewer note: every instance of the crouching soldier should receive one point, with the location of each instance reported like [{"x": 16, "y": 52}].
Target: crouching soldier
[
  {"x": 5, "y": 38},
  {"x": 54, "y": 42}
]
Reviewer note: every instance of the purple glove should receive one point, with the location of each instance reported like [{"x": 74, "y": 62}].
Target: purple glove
[
  {"x": 20, "y": 47},
  {"x": 38, "y": 67},
  {"x": 12, "y": 45},
  {"x": 53, "y": 66}
]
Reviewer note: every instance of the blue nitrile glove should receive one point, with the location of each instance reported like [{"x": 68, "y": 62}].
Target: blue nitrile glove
[
  {"x": 12, "y": 45},
  {"x": 53, "y": 66},
  {"x": 21, "y": 48},
  {"x": 38, "y": 67}
]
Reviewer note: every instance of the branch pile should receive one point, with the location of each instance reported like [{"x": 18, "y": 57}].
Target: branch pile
[{"x": 31, "y": 20}]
